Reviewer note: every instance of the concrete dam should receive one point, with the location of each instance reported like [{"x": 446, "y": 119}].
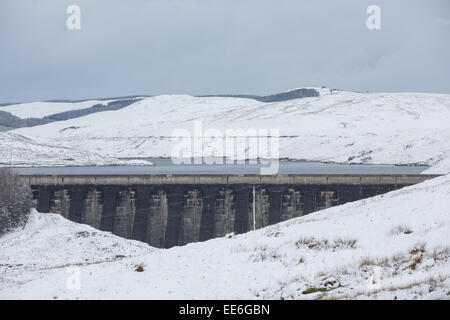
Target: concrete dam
[{"x": 167, "y": 210}]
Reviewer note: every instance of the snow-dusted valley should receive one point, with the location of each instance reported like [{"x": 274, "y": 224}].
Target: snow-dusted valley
[
  {"x": 337, "y": 126},
  {"x": 394, "y": 246}
]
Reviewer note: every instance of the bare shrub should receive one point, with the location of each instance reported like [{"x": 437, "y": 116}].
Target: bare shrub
[
  {"x": 367, "y": 261},
  {"x": 401, "y": 229},
  {"x": 345, "y": 243},
  {"x": 312, "y": 243},
  {"x": 418, "y": 248},
  {"x": 139, "y": 267},
  {"x": 439, "y": 254},
  {"x": 15, "y": 200}
]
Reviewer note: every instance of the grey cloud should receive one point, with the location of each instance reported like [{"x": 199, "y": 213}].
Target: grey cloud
[{"x": 220, "y": 47}]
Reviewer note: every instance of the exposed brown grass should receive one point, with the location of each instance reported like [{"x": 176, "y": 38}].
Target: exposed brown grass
[
  {"x": 354, "y": 295},
  {"x": 324, "y": 244},
  {"x": 419, "y": 248}
]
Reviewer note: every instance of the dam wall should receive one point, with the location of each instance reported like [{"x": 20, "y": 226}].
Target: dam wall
[{"x": 173, "y": 210}]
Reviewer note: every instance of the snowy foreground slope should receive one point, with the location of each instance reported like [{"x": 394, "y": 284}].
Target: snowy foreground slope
[
  {"x": 50, "y": 240},
  {"x": 337, "y": 126},
  {"x": 19, "y": 151},
  {"x": 393, "y": 246}
]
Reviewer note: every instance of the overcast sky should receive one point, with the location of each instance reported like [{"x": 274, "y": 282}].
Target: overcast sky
[{"x": 220, "y": 47}]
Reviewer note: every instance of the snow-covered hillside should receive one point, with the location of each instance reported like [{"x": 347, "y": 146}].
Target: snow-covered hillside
[
  {"x": 43, "y": 109},
  {"x": 393, "y": 246},
  {"x": 19, "y": 151},
  {"x": 50, "y": 238},
  {"x": 338, "y": 126}
]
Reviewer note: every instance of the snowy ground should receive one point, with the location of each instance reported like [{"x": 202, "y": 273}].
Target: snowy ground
[
  {"x": 393, "y": 246},
  {"x": 338, "y": 126},
  {"x": 19, "y": 151}
]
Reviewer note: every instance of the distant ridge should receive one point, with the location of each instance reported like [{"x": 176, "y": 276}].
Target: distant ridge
[
  {"x": 283, "y": 96},
  {"x": 277, "y": 97}
]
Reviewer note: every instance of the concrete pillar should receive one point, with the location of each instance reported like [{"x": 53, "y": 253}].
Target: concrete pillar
[
  {"x": 292, "y": 206},
  {"x": 110, "y": 194},
  {"x": 92, "y": 208},
  {"x": 191, "y": 217},
  {"x": 125, "y": 213},
  {"x": 157, "y": 224},
  {"x": 327, "y": 197},
  {"x": 225, "y": 212},
  {"x": 60, "y": 202}
]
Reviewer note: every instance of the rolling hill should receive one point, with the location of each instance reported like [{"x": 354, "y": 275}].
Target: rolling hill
[{"x": 337, "y": 126}]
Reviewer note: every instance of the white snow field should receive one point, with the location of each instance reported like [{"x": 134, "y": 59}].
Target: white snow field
[
  {"x": 19, "y": 151},
  {"x": 338, "y": 126},
  {"x": 43, "y": 109},
  {"x": 393, "y": 246}
]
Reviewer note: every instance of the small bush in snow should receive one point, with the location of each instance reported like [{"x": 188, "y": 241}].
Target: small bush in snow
[
  {"x": 400, "y": 230},
  {"x": 15, "y": 200},
  {"x": 139, "y": 267}
]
